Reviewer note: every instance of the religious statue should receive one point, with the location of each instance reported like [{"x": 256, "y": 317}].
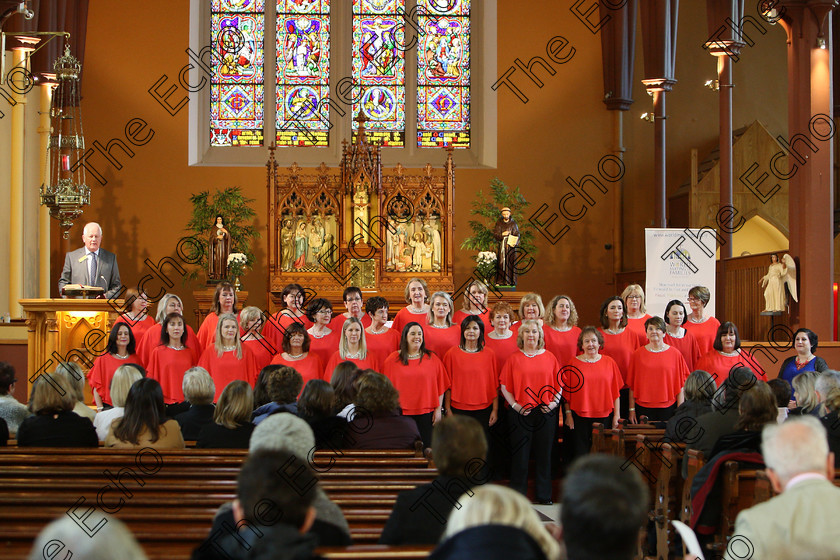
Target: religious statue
[
  {"x": 361, "y": 206},
  {"x": 219, "y": 251},
  {"x": 779, "y": 275},
  {"x": 287, "y": 247},
  {"x": 506, "y": 232},
  {"x": 300, "y": 245}
]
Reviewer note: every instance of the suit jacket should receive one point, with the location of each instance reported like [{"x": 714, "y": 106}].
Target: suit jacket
[
  {"x": 75, "y": 272},
  {"x": 802, "y": 519}
]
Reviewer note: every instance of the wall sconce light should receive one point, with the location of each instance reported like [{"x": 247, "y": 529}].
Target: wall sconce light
[
  {"x": 713, "y": 85},
  {"x": 647, "y": 117},
  {"x": 821, "y": 43}
]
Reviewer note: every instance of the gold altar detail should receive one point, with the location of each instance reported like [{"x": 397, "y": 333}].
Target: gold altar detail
[{"x": 355, "y": 226}]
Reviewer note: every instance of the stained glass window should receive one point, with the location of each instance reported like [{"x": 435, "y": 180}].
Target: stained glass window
[
  {"x": 443, "y": 74},
  {"x": 303, "y": 72},
  {"x": 236, "y": 94},
  {"x": 379, "y": 69}
]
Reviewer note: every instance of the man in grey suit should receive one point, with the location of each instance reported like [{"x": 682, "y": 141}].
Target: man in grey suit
[
  {"x": 802, "y": 521},
  {"x": 91, "y": 265}
]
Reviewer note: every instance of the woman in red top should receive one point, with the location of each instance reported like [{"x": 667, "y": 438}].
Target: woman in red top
[
  {"x": 169, "y": 303},
  {"x": 677, "y": 336},
  {"x": 172, "y": 358},
  {"x": 591, "y": 384},
  {"x": 703, "y": 327},
  {"x": 224, "y": 301},
  {"x": 633, "y": 297},
  {"x": 657, "y": 376},
  {"x": 619, "y": 342},
  {"x": 726, "y": 355},
  {"x": 351, "y": 347},
  {"x": 251, "y": 322},
  {"x": 420, "y": 378},
  {"x": 227, "y": 360},
  {"x": 137, "y": 318},
  {"x": 291, "y": 311},
  {"x": 296, "y": 343},
  {"x": 323, "y": 339},
  {"x": 416, "y": 294},
  {"x": 561, "y": 330},
  {"x": 472, "y": 376},
  {"x": 440, "y": 334},
  {"x": 530, "y": 383},
  {"x": 120, "y": 350},
  {"x": 352, "y": 297},
  {"x": 380, "y": 340},
  {"x": 530, "y": 308},
  {"x": 501, "y": 339},
  {"x": 474, "y": 303}
]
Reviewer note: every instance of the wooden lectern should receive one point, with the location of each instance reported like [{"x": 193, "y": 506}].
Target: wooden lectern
[{"x": 62, "y": 330}]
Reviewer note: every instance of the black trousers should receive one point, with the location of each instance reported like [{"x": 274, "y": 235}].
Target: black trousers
[
  {"x": 534, "y": 431},
  {"x": 424, "y": 426},
  {"x": 656, "y": 414},
  {"x": 582, "y": 434}
]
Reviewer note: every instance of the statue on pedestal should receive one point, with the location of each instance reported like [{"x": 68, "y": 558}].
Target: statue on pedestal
[
  {"x": 506, "y": 232},
  {"x": 779, "y": 275},
  {"x": 219, "y": 251}
]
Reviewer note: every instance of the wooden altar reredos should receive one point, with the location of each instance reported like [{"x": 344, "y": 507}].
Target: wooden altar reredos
[{"x": 354, "y": 226}]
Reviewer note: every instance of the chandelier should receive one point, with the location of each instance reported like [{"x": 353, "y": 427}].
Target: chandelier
[{"x": 66, "y": 192}]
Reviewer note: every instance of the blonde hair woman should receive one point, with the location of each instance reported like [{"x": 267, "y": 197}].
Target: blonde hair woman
[
  {"x": 633, "y": 297},
  {"x": 124, "y": 378},
  {"x": 231, "y": 427},
  {"x": 352, "y": 347},
  {"x": 227, "y": 360},
  {"x": 441, "y": 334}
]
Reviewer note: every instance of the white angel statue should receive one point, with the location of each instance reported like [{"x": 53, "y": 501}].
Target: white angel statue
[{"x": 778, "y": 275}]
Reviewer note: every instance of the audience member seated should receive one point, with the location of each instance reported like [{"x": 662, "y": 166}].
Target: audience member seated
[
  {"x": 801, "y": 522},
  {"x": 315, "y": 406},
  {"x": 75, "y": 377},
  {"x": 756, "y": 409},
  {"x": 231, "y": 427},
  {"x": 699, "y": 391},
  {"x": 378, "y": 422},
  {"x": 343, "y": 381},
  {"x": 289, "y": 434},
  {"x": 831, "y": 422},
  {"x": 782, "y": 392},
  {"x": 284, "y": 385},
  {"x": 496, "y": 523},
  {"x": 144, "y": 423},
  {"x": 272, "y": 516},
  {"x": 66, "y": 537},
  {"x": 261, "y": 386},
  {"x": 54, "y": 423},
  {"x": 805, "y": 394},
  {"x": 825, "y": 382},
  {"x": 122, "y": 380},
  {"x": 604, "y": 509},
  {"x": 11, "y": 410},
  {"x": 459, "y": 449},
  {"x": 199, "y": 390}
]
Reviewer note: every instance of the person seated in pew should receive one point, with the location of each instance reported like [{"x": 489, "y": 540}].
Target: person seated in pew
[
  {"x": 605, "y": 506},
  {"x": 495, "y": 523},
  {"x": 831, "y": 422},
  {"x": 284, "y": 385},
  {"x": 145, "y": 423},
  {"x": 459, "y": 450},
  {"x": 65, "y": 537},
  {"x": 288, "y": 434},
  {"x": 272, "y": 515},
  {"x": 11, "y": 410},
  {"x": 782, "y": 392},
  {"x": 199, "y": 390},
  {"x": 805, "y": 394},
  {"x": 261, "y": 386},
  {"x": 378, "y": 422},
  {"x": 699, "y": 391},
  {"x": 315, "y": 406},
  {"x": 76, "y": 380},
  {"x": 53, "y": 422},
  {"x": 756, "y": 408},
  {"x": 343, "y": 381},
  {"x": 123, "y": 379},
  {"x": 823, "y": 384},
  {"x": 231, "y": 427},
  {"x": 801, "y": 522}
]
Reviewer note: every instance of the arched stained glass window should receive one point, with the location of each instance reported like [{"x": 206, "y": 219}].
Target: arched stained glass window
[
  {"x": 236, "y": 95},
  {"x": 443, "y": 74},
  {"x": 379, "y": 69},
  {"x": 303, "y": 72}
]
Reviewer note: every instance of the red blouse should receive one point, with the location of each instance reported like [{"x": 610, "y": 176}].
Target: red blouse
[
  {"x": 339, "y": 320},
  {"x": 440, "y": 341},
  {"x": 563, "y": 344},
  {"x": 151, "y": 340},
  {"x": 638, "y": 326},
  {"x": 719, "y": 365},
  {"x": 421, "y": 383},
  {"x": 704, "y": 333},
  {"x": 381, "y": 345},
  {"x": 460, "y": 315},
  {"x": 620, "y": 347},
  {"x": 229, "y": 368},
  {"x": 404, "y": 316},
  {"x": 310, "y": 367},
  {"x": 262, "y": 350},
  {"x": 591, "y": 388},
  {"x": 502, "y": 347},
  {"x": 688, "y": 347},
  {"x": 276, "y": 327},
  {"x": 167, "y": 366},
  {"x": 102, "y": 372},
  {"x": 325, "y": 346},
  {"x": 370, "y": 362},
  {"x": 532, "y": 381},
  {"x": 472, "y": 378},
  {"x": 656, "y": 378},
  {"x": 138, "y": 328}
]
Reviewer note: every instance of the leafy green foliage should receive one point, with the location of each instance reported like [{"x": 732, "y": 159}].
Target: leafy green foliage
[
  {"x": 238, "y": 215},
  {"x": 489, "y": 208}
]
